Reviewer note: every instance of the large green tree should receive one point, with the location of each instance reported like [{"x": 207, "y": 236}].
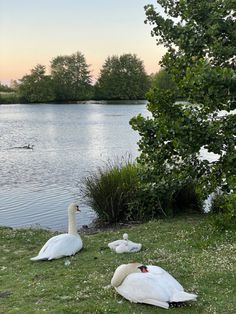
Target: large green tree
[
  {"x": 5, "y": 88},
  {"x": 162, "y": 80},
  {"x": 71, "y": 77},
  {"x": 122, "y": 78},
  {"x": 200, "y": 37},
  {"x": 36, "y": 86}
]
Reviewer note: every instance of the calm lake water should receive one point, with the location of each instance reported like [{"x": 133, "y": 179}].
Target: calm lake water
[{"x": 69, "y": 141}]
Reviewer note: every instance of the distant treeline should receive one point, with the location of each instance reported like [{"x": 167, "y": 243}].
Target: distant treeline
[{"x": 121, "y": 78}]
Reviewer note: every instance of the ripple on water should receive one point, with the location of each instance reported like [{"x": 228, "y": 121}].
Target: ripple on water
[
  {"x": 69, "y": 141},
  {"x": 47, "y": 208}
]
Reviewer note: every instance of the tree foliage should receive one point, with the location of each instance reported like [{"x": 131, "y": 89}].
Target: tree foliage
[
  {"x": 200, "y": 38},
  {"x": 162, "y": 80},
  {"x": 5, "y": 88},
  {"x": 71, "y": 77},
  {"x": 122, "y": 78},
  {"x": 36, "y": 86}
]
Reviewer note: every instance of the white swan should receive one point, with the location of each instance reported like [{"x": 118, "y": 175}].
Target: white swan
[
  {"x": 125, "y": 245},
  {"x": 148, "y": 284},
  {"x": 65, "y": 244}
]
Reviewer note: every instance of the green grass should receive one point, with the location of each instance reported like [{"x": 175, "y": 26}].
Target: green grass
[{"x": 203, "y": 261}]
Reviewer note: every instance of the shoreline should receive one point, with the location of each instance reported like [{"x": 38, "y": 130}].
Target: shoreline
[
  {"x": 91, "y": 228},
  {"x": 86, "y": 102}
]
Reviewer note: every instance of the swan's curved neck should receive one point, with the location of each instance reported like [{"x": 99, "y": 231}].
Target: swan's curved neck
[
  {"x": 72, "y": 229},
  {"x": 122, "y": 272}
]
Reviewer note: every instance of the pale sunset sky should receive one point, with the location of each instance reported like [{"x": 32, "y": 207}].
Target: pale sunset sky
[{"x": 34, "y": 32}]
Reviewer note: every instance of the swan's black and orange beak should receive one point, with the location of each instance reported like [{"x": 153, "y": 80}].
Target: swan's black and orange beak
[
  {"x": 143, "y": 269},
  {"x": 77, "y": 208}
]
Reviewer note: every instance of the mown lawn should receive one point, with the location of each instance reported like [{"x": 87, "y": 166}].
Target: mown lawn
[{"x": 202, "y": 260}]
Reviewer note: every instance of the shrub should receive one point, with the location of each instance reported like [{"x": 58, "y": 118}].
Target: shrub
[
  {"x": 223, "y": 212},
  {"x": 110, "y": 190},
  {"x": 187, "y": 200},
  {"x": 9, "y": 98},
  {"x": 151, "y": 204},
  {"x": 117, "y": 193}
]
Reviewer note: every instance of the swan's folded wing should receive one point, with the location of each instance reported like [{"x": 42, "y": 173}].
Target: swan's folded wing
[
  {"x": 122, "y": 248},
  {"x": 52, "y": 241},
  {"x": 165, "y": 278},
  {"x": 59, "y": 246},
  {"x": 68, "y": 245},
  {"x": 113, "y": 245},
  {"x": 143, "y": 288},
  {"x": 134, "y": 247}
]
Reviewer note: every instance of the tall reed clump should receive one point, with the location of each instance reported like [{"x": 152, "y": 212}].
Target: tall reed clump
[{"x": 110, "y": 190}]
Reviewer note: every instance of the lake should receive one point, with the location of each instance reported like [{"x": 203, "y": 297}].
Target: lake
[{"x": 70, "y": 140}]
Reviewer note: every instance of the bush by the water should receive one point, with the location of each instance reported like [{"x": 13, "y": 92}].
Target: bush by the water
[
  {"x": 110, "y": 190},
  {"x": 9, "y": 98},
  {"x": 116, "y": 193},
  {"x": 223, "y": 212},
  {"x": 166, "y": 203}
]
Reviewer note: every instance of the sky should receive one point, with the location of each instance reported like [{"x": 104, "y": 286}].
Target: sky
[{"x": 36, "y": 31}]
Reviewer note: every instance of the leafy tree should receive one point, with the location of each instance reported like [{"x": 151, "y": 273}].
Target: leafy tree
[
  {"x": 14, "y": 85},
  {"x": 36, "y": 86},
  {"x": 200, "y": 38},
  {"x": 5, "y": 88},
  {"x": 71, "y": 77},
  {"x": 121, "y": 78},
  {"x": 162, "y": 80}
]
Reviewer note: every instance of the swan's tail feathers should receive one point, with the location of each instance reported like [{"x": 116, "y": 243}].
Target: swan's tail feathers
[
  {"x": 162, "y": 304},
  {"x": 181, "y": 296},
  {"x": 37, "y": 258}
]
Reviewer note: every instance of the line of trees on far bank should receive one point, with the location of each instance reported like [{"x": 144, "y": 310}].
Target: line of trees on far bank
[{"x": 121, "y": 78}]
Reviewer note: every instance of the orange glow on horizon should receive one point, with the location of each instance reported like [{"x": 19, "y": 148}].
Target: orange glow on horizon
[
  {"x": 27, "y": 39},
  {"x": 16, "y": 68}
]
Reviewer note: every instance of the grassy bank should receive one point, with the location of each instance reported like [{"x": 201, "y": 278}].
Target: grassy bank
[{"x": 204, "y": 262}]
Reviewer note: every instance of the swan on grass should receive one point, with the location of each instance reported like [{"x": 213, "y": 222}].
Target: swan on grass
[
  {"x": 125, "y": 245},
  {"x": 65, "y": 244},
  {"x": 148, "y": 284}
]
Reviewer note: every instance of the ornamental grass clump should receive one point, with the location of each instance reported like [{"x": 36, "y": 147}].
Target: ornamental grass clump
[{"x": 110, "y": 189}]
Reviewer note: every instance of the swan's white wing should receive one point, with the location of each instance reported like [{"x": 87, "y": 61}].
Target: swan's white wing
[
  {"x": 134, "y": 247},
  {"x": 66, "y": 245},
  {"x": 113, "y": 245},
  {"x": 59, "y": 246},
  {"x": 165, "y": 278},
  {"x": 144, "y": 288},
  {"x": 122, "y": 248},
  {"x": 52, "y": 241},
  {"x": 166, "y": 281},
  {"x": 128, "y": 247}
]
